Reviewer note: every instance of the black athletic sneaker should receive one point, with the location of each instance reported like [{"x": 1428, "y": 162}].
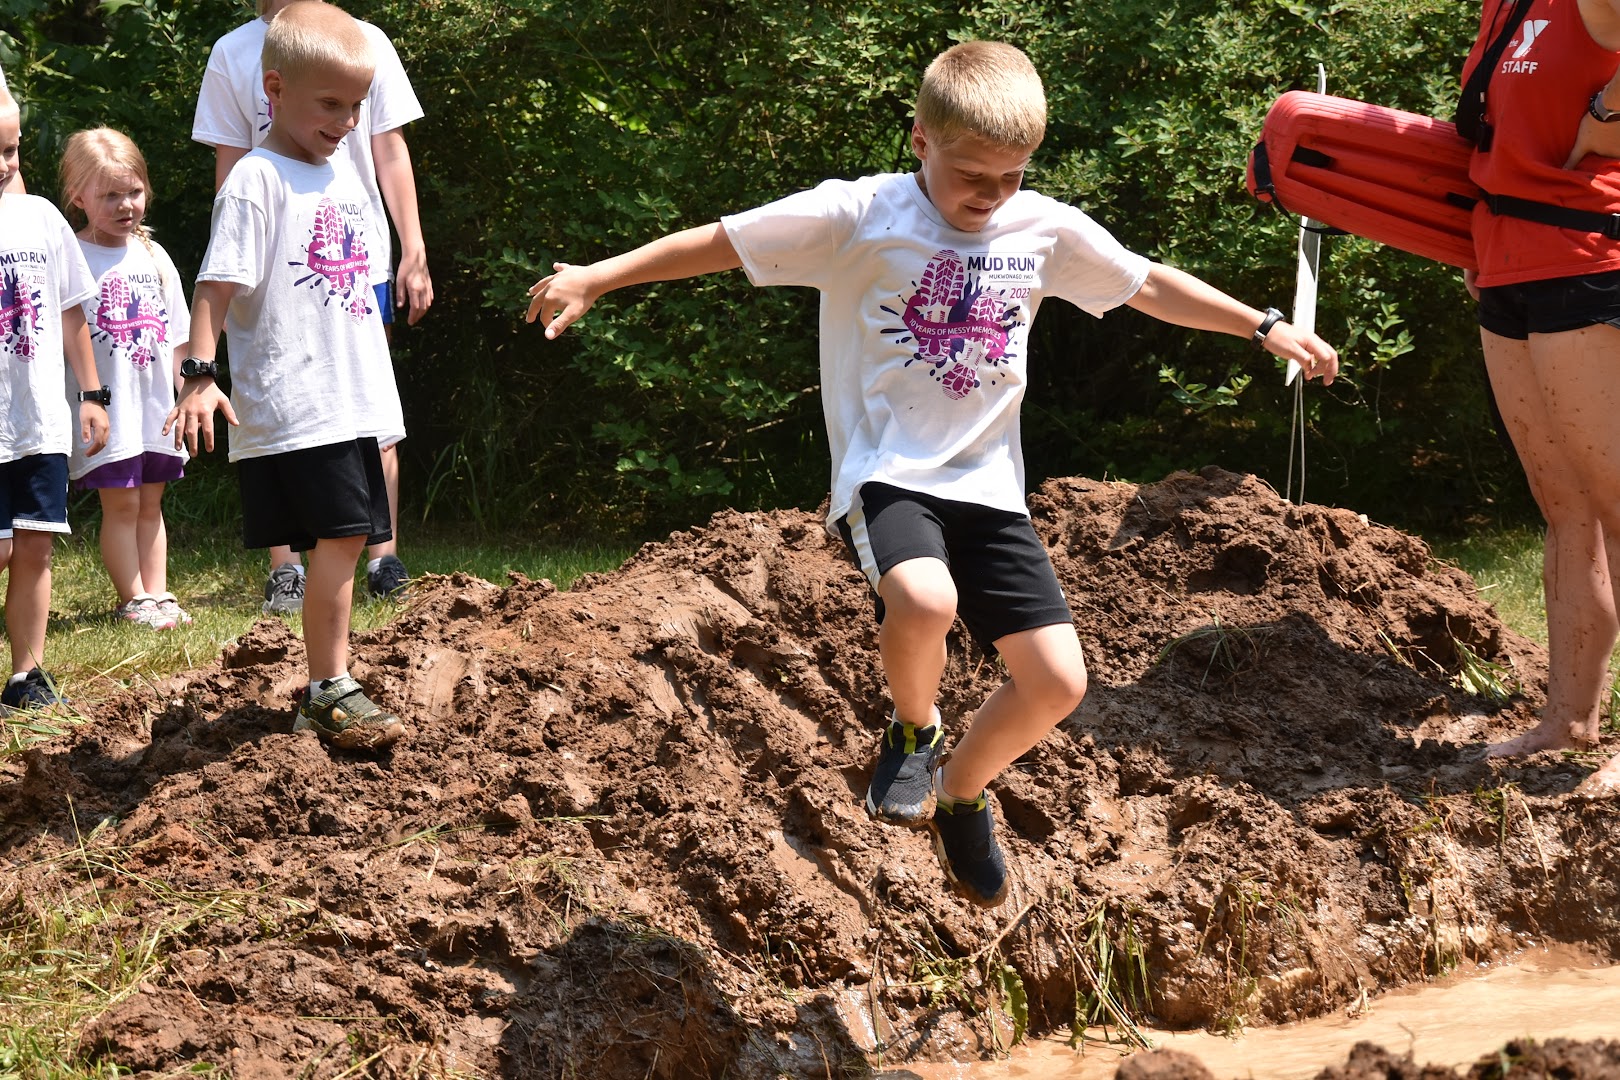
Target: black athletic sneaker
[
  {"x": 342, "y": 716},
  {"x": 389, "y": 579},
  {"x": 35, "y": 690},
  {"x": 902, "y": 787},
  {"x": 965, "y": 843},
  {"x": 284, "y": 591}
]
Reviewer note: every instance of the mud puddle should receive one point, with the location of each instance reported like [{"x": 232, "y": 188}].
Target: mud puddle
[{"x": 1556, "y": 993}]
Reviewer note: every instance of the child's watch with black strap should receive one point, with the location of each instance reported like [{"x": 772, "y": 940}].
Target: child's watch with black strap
[
  {"x": 193, "y": 368},
  {"x": 102, "y": 397}
]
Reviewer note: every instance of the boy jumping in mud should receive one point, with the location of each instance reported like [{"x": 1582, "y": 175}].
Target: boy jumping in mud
[
  {"x": 929, "y": 282},
  {"x": 288, "y": 276}
]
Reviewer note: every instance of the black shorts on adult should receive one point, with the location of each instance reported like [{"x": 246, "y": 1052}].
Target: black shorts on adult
[
  {"x": 1550, "y": 306},
  {"x": 322, "y": 493},
  {"x": 1004, "y": 579}
]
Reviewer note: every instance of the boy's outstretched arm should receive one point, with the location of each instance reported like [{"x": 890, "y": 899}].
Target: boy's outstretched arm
[
  {"x": 93, "y": 424},
  {"x": 558, "y": 300},
  {"x": 1175, "y": 296},
  {"x": 201, "y": 396}
]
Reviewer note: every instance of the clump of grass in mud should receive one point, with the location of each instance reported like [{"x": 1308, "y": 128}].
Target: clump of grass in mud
[
  {"x": 83, "y": 935},
  {"x": 1484, "y": 678},
  {"x": 1231, "y": 650},
  {"x": 1241, "y": 901},
  {"x": 982, "y": 984},
  {"x": 1111, "y": 976}
]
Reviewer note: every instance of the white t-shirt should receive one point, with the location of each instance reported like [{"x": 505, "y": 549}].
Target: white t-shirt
[
  {"x": 137, "y": 316},
  {"x": 924, "y": 328},
  {"x": 309, "y": 361},
  {"x": 232, "y": 110},
  {"x": 42, "y": 274}
]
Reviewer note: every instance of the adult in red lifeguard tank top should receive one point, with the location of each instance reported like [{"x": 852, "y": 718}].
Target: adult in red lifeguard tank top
[{"x": 1549, "y": 314}]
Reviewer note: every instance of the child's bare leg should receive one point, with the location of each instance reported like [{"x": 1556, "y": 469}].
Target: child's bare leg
[
  {"x": 120, "y": 544},
  {"x": 28, "y": 597},
  {"x": 281, "y": 555},
  {"x": 919, "y": 605},
  {"x": 152, "y": 540},
  {"x": 328, "y": 596},
  {"x": 1047, "y": 679}
]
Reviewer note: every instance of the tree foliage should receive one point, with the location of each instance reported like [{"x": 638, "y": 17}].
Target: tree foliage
[{"x": 565, "y": 131}]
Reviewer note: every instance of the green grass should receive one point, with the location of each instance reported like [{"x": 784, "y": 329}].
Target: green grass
[
  {"x": 1507, "y": 567},
  {"x": 221, "y": 585}
]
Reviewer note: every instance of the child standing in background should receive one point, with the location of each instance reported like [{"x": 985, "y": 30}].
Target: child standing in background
[
  {"x": 43, "y": 280},
  {"x": 139, "y": 323},
  {"x": 233, "y": 116}
]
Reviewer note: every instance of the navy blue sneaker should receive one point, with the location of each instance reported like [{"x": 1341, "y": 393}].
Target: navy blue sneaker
[
  {"x": 36, "y": 690},
  {"x": 965, "y": 844},
  {"x": 902, "y": 787}
]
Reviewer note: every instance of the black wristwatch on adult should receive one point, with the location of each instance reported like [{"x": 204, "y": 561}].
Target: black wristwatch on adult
[
  {"x": 102, "y": 397},
  {"x": 193, "y": 368},
  {"x": 1273, "y": 317},
  {"x": 1599, "y": 112}
]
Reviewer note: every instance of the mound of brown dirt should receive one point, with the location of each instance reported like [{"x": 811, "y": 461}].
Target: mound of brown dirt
[{"x": 625, "y": 838}]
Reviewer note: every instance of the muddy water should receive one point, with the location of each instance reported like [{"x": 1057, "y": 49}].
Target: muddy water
[{"x": 1543, "y": 994}]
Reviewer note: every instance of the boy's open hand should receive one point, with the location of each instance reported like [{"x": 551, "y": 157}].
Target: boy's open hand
[
  {"x": 194, "y": 413},
  {"x": 93, "y": 427},
  {"x": 560, "y": 298},
  {"x": 1315, "y": 357}
]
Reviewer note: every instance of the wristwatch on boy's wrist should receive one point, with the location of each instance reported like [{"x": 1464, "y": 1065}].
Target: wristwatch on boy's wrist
[
  {"x": 193, "y": 368},
  {"x": 102, "y": 397},
  {"x": 1273, "y": 317}
]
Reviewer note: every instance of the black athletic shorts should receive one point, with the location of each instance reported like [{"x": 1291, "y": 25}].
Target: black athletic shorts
[
  {"x": 322, "y": 493},
  {"x": 1004, "y": 579},
  {"x": 1550, "y": 306}
]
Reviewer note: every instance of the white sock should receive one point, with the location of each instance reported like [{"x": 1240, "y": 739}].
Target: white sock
[
  {"x": 317, "y": 685},
  {"x": 942, "y": 795},
  {"x": 371, "y": 567},
  {"x": 16, "y": 677}
]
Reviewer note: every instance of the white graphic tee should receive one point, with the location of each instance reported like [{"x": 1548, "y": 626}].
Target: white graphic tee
[
  {"x": 309, "y": 360},
  {"x": 42, "y": 274},
  {"x": 232, "y": 110},
  {"x": 924, "y": 328},
  {"x": 137, "y": 316}
]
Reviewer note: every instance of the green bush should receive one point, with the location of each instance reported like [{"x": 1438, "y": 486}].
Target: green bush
[{"x": 568, "y": 131}]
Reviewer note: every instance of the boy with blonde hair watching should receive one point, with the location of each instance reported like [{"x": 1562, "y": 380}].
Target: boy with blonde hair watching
[
  {"x": 233, "y": 114},
  {"x": 288, "y": 275},
  {"x": 929, "y": 282}
]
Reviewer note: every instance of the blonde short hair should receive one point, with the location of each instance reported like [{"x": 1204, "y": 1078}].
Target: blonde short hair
[
  {"x": 311, "y": 36},
  {"x": 984, "y": 88},
  {"x": 97, "y": 152}
]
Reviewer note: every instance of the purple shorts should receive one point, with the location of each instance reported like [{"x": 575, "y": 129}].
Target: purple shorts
[{"x": 150, "y": 468}]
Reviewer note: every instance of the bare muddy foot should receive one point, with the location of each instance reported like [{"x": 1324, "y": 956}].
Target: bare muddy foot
[
  {"x": 1543, "y": 736},
  {"x": 1603, "y": 784}
]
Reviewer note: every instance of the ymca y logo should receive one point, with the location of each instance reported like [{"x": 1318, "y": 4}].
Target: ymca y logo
[{"x": 1527, "y": 36}]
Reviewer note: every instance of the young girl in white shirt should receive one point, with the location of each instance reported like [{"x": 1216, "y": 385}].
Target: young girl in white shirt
[{"x": 139, "y": 324}]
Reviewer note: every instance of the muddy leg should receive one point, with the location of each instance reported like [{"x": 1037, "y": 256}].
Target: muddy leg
[{"x": 1559, "y": 394}]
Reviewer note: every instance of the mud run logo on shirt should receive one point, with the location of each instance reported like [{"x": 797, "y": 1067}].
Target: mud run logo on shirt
[
  {"x": 336, "y": 257},
  {"x": 19, "y": 313},
  {"x": 132, "y": 319},
  {"x": 960, "y": 321}
]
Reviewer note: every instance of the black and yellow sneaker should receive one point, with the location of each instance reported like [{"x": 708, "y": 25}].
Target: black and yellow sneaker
[
  {"x": 902, "y": 787},
  {"x": 342, "y": 716},
  {"x": 965, "y": 844}
]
